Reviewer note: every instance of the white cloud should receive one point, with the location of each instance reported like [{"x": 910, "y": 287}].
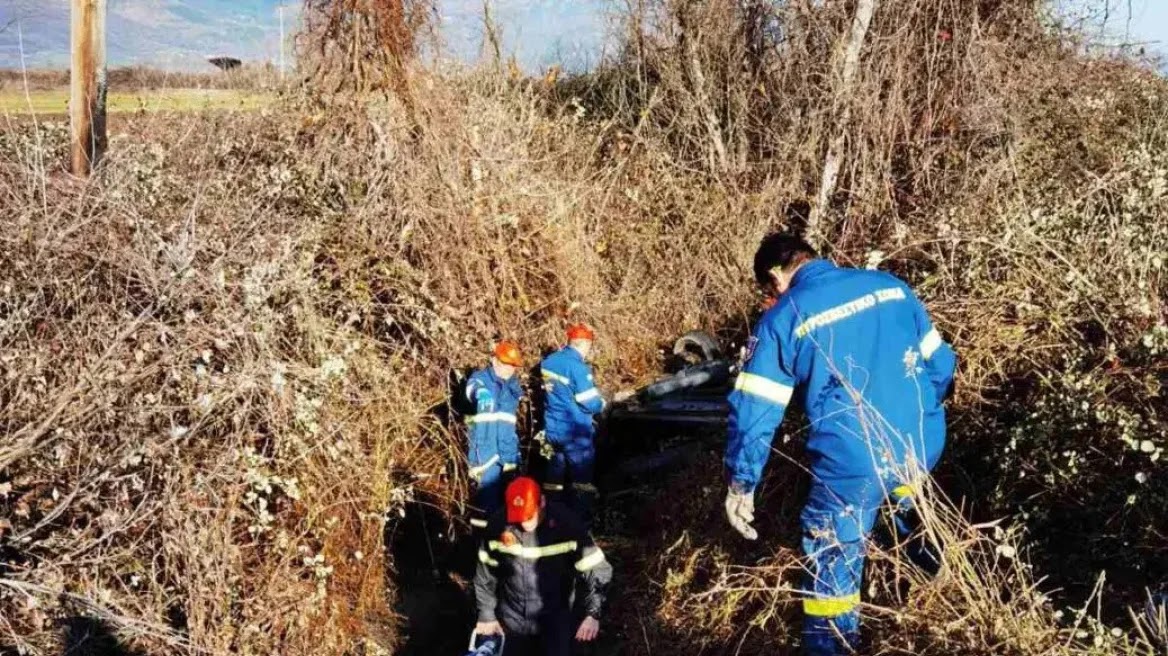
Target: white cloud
[{"x": 147, "y": 13}]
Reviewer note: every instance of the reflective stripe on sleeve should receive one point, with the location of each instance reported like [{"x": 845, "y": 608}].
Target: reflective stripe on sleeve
[
  {"x": 556, "y": 377},
  {"x": 591, "y": 560},
  {"x": 485, "y": 558},
  {"x": 533, "y": 553},
  {"x": 491, "y": 417},
  {"x": 553, "y": 487},
  {"x": 478, "y": 523},
  {"x": 476, "y": 472},
  {"x": 830, "y": 606},
  {"x": 764, "y": 388},
  {"x": 510, "y": 466},
  {"x": 930, "y": 343},
  {"x": 587, "y": 395}
]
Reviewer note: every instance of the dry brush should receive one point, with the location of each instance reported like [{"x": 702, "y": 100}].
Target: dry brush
[{"x": 224, "y": 359}]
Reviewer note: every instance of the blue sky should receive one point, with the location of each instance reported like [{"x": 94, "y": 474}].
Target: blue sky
[
  {"x": 179, "y": 34},
  {"x": 1121, "y": 21},
  {"x": 538, "y": 32},
  {"x": 176, "y": 34}
]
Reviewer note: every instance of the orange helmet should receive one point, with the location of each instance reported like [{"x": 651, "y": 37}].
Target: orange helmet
[
  {"x": 507, "y": 352},
  {"x": 581, "y": 331},
  {"x": 522, "y": 499}
]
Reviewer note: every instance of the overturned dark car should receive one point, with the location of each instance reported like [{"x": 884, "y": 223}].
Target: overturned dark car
[{"x": 670, "y": 421}]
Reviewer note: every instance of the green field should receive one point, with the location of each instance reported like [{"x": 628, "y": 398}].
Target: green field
[{"x": 56, "y": 101}]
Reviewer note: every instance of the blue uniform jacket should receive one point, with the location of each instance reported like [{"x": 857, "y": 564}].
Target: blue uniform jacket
[
  {"x": 859, "y": 351},
  {"x": 492, "y": 428},
  {"x": 572, "y": 400}
]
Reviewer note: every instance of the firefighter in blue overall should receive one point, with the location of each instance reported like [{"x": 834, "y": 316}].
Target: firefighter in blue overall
[
  {"x": 572, "y": 402},
  {"x": 493, "y": 446},
  {"x": 857, "y": 349}
]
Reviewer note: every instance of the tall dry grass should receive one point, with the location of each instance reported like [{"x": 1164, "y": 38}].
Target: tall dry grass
[
  {"x": 222, "y": 353},
  {"x": 1015, "y": 182}
]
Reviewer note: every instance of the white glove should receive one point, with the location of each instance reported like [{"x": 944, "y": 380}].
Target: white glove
[
  {"x": 546, "y": 450},
  {"x": 740, "y": 512},
  {"x": 623, "y": 395}
]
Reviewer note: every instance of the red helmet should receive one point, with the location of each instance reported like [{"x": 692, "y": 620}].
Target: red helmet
[
  {"x": 581, "y": 331},
  {"x": 507, "y": 352},
  {"x": 522, "y": 499}
]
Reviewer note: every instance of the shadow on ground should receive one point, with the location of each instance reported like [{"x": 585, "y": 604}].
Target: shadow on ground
[
  {"x": 88, "y": 636},
  {"x": 432, "y": 575}
]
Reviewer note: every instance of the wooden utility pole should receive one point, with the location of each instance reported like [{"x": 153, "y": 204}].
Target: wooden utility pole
[{"x": 88, "y": 77}]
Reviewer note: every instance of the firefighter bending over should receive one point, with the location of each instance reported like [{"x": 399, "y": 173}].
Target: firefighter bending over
[{"x": 859, "y": 351}]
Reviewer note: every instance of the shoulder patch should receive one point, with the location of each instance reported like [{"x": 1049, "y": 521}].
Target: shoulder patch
[
  {"x": 751, "y": 345},
  {"x": 508, "y": 539}
]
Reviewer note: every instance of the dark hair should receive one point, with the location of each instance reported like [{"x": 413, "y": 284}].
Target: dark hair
[{"x": 779, "y": 250}]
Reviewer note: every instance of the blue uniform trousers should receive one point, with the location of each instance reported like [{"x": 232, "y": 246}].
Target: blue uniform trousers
[
  {"x": 836, "y": 522},
  {"x": 569, "y": 478}
]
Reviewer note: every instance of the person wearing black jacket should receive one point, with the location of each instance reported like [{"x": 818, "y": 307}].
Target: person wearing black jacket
[{"x": 535, "y": 558}]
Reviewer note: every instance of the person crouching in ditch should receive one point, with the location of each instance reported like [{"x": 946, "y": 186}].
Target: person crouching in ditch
[
  {"x": 493, "y": 446},
  {"x": 531, "y": 558}
]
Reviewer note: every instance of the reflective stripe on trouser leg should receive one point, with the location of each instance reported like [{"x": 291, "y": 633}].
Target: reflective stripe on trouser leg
[
  {"x": 488, "y": 494},
  {"x": 555, "y": 475},
  {"x": 831, "y": 615},
  {"x": 903, "y": 511},
  {"x": 833, "y": 543},
  {"x": 510, "y": 471},
  {"x": 582, "y": 489},
  {"x": 907, "y": 520}
]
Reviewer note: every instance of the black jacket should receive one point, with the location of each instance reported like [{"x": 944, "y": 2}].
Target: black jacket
[{"x": 526, "y": 580}]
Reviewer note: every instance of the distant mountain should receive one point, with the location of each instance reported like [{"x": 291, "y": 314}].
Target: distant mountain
[
  {"x": 173, "y": 34},
  {"x": 180, "y": 34}
]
